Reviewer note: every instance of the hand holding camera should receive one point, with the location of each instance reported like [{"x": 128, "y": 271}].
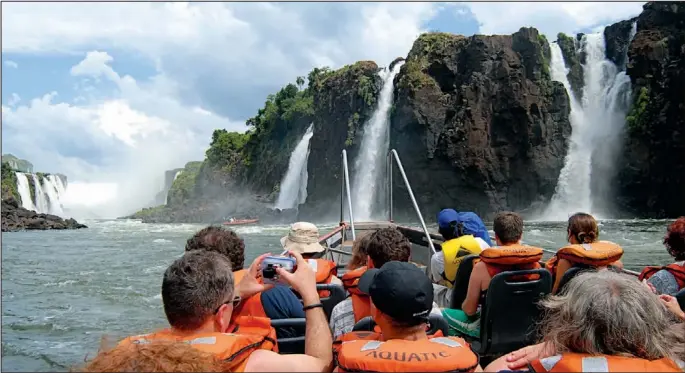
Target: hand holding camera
[{"x": 302, "y": 279}]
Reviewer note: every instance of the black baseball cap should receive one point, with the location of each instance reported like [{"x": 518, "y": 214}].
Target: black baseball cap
[{"x": 400, "y": 290}]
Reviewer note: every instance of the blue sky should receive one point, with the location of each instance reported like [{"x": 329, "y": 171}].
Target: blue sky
[{"x": 119, "y": 92}]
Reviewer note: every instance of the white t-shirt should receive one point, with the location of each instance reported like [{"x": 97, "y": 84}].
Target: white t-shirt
[{"x": 438, "y": 261}]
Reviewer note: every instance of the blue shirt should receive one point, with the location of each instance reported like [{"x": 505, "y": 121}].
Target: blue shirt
[{"x": 281, "y": 303}]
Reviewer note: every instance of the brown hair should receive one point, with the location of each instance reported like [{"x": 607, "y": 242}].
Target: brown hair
[
  {"x": 675, "y": 239},
  {"x": 388, "y": 244},
  {"x": 221, "y": 240},
  {"x": 508, "y": 227},
  {"x": 359, "y": 253},
  {"x": 156, "y": 356},
  {"x": 583, "y": 227},
  {"x": 194, "y": 286}
]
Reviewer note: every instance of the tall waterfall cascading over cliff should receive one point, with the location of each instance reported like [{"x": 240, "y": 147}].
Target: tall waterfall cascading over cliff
[
  {"x": 24, "y": 191},
  {"x": 370, "y": 163},
  {"x": 48, "y": 194},
  {"x": 597, "y": 124},
  {"x": 293, "y": 188},
  {"x": 166, "y": 195}
]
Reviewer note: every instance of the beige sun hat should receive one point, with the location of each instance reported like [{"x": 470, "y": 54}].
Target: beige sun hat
[{"x": 303, "y": 238}]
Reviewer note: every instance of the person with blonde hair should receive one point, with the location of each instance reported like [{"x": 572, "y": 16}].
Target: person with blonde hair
[
  {"x": 603, "y": 322},
  {"x": 156, "y": 356}
]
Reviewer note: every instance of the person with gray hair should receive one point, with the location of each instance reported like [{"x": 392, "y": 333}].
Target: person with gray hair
[
  {"x": 199, "y": 296},
  {"x": 602, "y": 322}
]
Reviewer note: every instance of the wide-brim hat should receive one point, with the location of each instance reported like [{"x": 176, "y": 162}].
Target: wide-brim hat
[{"x": 303, "y": 237}]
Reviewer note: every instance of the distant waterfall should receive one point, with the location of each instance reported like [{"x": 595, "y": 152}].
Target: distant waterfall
[
  {"x": 587, "y": 178},
  {"x": 369, "y": 165},
  {"x": 293, "y": 188},
  {"x": 24, "y": 191},
  {"x": 47, "y": 195},
  {"x": 166, "y": 195}
]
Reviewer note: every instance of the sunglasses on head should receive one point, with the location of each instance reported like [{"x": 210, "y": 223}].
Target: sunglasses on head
[{"x": 234, "y": 302}]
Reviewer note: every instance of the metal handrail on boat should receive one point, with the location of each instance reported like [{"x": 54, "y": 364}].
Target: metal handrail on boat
[
  {"x": 394, "y": 158},
  {"x": 345, "y": 186}
]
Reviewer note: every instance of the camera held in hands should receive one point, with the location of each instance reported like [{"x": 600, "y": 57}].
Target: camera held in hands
[{"x": 269, "y": 265}]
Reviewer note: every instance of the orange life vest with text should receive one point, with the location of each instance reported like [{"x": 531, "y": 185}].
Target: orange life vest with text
[
  {"x": 249, "y": 334},
  {"x": 325, "y": 270},
  {"x": 361, "y": 303},
  {"x": 573, "y": 362},
  {"x": 366, "y": 352},
  {"x": 676, "y": 269},
  {"x": 252, "y": 306},
  {"x": 512, "y": 258},
  {"x": 596, "y": 255}
]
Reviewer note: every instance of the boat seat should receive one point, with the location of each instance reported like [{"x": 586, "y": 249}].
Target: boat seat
[
  {"x": 680, "y": 296},
  {"x": 461, "y": 281},
  {"x": 510, "y": 312},
  {"x": 336, "y": 295},
  {"x": 290, "y": 345},
  {"x": 574, "y": 271},
  {"x": 435, "y": 323}
]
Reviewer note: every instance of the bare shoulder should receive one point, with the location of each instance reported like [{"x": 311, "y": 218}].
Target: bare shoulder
[{"x": 269, "y": 361}]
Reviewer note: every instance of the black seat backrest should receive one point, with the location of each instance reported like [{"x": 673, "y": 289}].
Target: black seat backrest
[
  {"x": 680, "y": 296},
  {"x": 290, "y": 345},
  {"x": 336, "y": 295},
  {"x": 461, "y": 281},
  {"x": 435, "y": 323},
  {"x": 511, "y": 311},
  {"x": 568, "y": 276}
]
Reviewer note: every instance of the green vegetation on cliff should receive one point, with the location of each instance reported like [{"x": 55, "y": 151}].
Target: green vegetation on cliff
[
  {"x": 429, "y": 46},
  {"x": 9, "y": 182},
  {"x": 636, "y": 119},
  {"x": 183, "y": 188},
  {"x": 21, "y": 165}
]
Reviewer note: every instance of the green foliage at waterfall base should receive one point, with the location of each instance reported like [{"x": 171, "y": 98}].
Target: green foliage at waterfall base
[
  {"x": 148, "y": 212},
  {"x": 637, "y": 120},
  {"x": 9, "y": 182}
]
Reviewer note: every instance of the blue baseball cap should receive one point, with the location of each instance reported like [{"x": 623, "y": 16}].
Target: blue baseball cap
[{"x": 446, "y": 216}]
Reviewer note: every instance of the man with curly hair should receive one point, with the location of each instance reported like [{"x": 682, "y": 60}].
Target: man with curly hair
[{"x": 276, "y": 303}]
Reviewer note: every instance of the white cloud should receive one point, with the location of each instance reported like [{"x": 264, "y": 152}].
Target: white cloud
[
  {"x": 111, "y": 142},
  {"x": 11, "y": 64},
  {"x": 550, "y": 17},
  {"x": 13, "y": 100}
]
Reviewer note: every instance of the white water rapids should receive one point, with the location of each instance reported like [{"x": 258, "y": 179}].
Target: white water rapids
[
  {"x": 369, "y": 165},
  {"x": 597, "y": 122},
  {"x": 293, "y": 188}
]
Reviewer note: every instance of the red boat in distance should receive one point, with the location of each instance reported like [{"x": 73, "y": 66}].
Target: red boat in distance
[{"x": 241, "y": 222}]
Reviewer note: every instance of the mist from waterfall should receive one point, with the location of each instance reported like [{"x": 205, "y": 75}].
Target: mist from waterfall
[
  {"x": 293, "y": 187},
  {"x": 586, "y": 180},
  {"x": 370, "y": 163}
]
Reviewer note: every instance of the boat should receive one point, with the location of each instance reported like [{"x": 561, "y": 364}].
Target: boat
[{"x": 241, "y": 222}]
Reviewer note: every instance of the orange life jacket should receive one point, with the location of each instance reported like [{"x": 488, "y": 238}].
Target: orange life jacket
[
  {"x": 361, "y": 303},
  {"x": 251, "y": 306},
  {"x": 676, "y": 269},
  {"x": 365, "y": 352},
  {"x": 572, "y": 362},
  {"x": 325, "y": 270},
  {"x": 596, "y": 254},
  {"x": 512, "y": 258},
  {"x": 250, "y": 334}
]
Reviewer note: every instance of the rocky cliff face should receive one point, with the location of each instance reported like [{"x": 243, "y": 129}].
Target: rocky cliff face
[
  {"x": 569, "y": 49},
  {"x": 343, "y": 102},
  {"x": 478, "y": 122},
  {"x": 652, "y": 176}
]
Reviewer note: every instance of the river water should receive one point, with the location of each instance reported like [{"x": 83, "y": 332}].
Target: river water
[{"x": 62, "y": 291}]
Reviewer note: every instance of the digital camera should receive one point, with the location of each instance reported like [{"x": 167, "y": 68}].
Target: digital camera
[{"x": 269, "y": 265}]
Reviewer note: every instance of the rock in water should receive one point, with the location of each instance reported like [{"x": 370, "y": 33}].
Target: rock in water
[
  {"x": 479, "y": 123},
  {"x": 16, "y": 218}
]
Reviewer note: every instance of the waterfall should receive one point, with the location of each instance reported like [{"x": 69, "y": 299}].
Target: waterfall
[
  {"x": 293, "y": 189},
  {"x": 50, "y": 189},
  {"x": 597, "y": 125},
  {"x": 166, "y": 195},
  {"x": 24, "y": 191},
  {"x": 369, "y": 165},
  {"x": 41, "y": 200}
]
